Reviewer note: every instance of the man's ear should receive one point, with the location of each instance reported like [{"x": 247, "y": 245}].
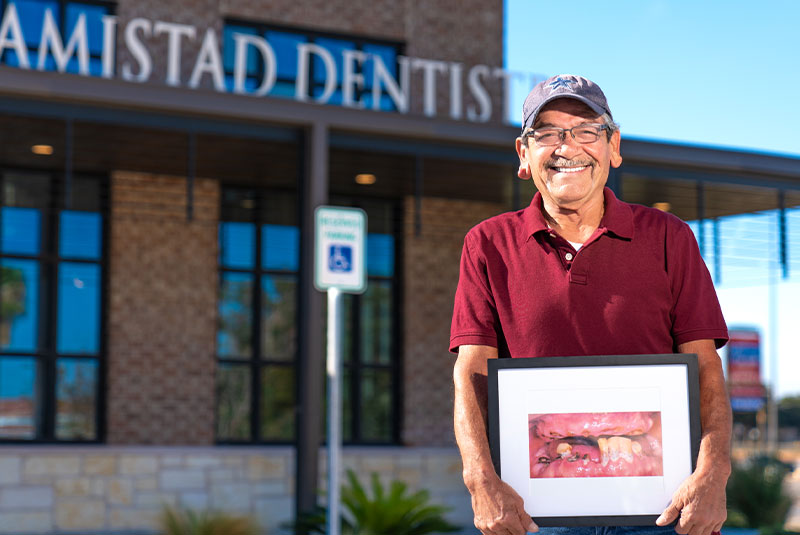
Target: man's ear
[
  {"x": 616, "y": 157},
  {"x": 524, "y": 171}
]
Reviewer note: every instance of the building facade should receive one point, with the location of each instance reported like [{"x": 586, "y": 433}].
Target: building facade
[{"x": 160, "y": 338}]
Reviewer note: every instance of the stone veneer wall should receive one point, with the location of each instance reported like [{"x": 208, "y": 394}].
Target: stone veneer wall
[
  {"x": 109, "y": 490},
  {"x": 162, "y": 311},
  {"x": 431, "y": 264}
]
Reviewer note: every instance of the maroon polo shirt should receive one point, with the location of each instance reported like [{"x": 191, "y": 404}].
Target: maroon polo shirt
[{"x": 637, "y": 286}]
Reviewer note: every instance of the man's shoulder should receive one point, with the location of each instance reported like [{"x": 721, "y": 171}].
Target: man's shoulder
[
  {"x": 508, "y": 225},
  {"x": 647, "y": 218}
]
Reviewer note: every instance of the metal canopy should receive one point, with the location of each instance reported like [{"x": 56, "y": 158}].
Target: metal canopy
[{"x": 202, "y": 109}]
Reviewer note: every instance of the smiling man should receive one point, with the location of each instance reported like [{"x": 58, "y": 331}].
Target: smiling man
[{"x": 579, "y": 272}]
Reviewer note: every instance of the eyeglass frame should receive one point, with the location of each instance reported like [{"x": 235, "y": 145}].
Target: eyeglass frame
[{"x": 563, "y": 133}]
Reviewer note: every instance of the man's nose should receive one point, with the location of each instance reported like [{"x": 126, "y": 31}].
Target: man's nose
[{"x": 568, "y": 145}]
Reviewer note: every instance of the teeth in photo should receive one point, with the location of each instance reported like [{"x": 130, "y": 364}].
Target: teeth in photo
[
  {"x": 602, "y": 443},
  {"x": 637, "y": 448},
  {"x": 620, "y": 447},
  {"x": 564, "y": 449}
]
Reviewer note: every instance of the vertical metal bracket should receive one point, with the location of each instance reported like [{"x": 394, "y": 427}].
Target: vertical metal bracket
[
  {"x": 191, "y": 169},
  {"x": 418, "y": 187},
  {"x": 701, "y": 218},
  {"x": 782, "y": 245},
  {"x": 68, "y": 163}
]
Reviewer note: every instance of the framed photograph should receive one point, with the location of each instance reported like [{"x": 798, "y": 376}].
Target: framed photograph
[{"x": 594, "y": 441}]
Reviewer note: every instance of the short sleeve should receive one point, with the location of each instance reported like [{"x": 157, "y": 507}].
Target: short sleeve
[
  {"x": 474, "y": 313},
  {"x": 696, "y": 313}
]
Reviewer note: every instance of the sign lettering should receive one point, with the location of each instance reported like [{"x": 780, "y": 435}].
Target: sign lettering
[{"x": 347, "y": 71}]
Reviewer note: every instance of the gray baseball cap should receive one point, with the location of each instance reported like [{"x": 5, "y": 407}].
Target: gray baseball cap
[{"x": 563, "y": 86}]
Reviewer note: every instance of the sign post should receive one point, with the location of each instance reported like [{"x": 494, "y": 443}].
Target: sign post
[{"x": 340, "y": 251}]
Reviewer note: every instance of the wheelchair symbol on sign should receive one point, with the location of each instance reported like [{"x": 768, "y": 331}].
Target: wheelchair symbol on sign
[{"x": 340, "y": 258}]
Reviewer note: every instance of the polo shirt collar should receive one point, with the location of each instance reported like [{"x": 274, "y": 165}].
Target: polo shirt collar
[{"x": 617, "y": 219}]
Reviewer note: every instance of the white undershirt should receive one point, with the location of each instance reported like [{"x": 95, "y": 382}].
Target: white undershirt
[{"x": 575, "y": 245}]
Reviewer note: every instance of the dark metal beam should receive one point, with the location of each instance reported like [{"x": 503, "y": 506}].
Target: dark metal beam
[
  {"x": 701, "y": 218},
  {"x": 717, "y": 253},
  {"x": 115, "y": 96},
  {"x": 419, "y": 179},
  {"x": 712, "y": 176},
  {"x": 435, "y": 149},
  {"x": 782, "y": 236},
  {"x": 280, "y": 111},
  {"x": 310, "y": 388},
  {"x": 68, "y": 164}
]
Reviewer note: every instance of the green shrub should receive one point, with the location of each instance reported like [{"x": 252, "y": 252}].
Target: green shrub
[
  {"x": 756, "y": 495},
  {"x": 380, "y": 512},
  {"x": 176, "y": 522}
]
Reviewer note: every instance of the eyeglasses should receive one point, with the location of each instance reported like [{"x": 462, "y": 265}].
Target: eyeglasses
[{"x": 549, "y": 136}]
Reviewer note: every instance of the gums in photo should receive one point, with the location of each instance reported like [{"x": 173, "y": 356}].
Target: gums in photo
[{"x": 595, "y": 444}]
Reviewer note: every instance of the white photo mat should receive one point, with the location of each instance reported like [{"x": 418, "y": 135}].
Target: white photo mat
[{"x": 662, "y": 388}]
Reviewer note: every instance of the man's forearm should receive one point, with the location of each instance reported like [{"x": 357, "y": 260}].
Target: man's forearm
[
  {"x": 715, "y": 412},
  {"x": 498, "y": 508},
  {"x": 470, "y": 404},
  {"x": 699, "y": 503}
]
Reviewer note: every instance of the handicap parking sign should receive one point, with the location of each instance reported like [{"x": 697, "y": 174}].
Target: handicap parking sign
[
  {"x": 340, "y": 249},
  {"x": 340, "y": 259}
]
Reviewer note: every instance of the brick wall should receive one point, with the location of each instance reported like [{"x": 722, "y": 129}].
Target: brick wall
[
  {"x": 431, "y": 273},
  {"x": 162, "y": 311}
]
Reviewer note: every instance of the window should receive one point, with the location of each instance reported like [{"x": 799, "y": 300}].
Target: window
[
  {"x": 370, "y": 390},
  {"x": 51, "y": 257},
  {"x": 257, "y": 317},
  {"x": 257, "y": 324},
  {"x": 284, "y": 42},
  {"x": 66, "y": 14}
]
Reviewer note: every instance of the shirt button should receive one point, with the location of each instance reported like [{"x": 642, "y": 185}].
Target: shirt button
[{"x": 569, "y": 256}]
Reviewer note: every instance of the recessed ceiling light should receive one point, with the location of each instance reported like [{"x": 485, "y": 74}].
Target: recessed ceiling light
[
  {"x": 43, "y": 150},
  {"x": 365, "y": 179},
  {"x": 663, "y": 206}
]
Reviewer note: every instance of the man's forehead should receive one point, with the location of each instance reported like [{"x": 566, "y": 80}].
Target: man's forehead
[{"x": 568, "y": 105}]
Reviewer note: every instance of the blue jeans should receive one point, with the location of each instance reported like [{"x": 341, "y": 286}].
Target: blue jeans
[{"x": 610, "y": 530}]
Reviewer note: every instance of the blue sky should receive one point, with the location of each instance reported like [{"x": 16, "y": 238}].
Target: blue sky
[
  {"x": 716, "y": 73},
  {"x": 722, "y": 73}
]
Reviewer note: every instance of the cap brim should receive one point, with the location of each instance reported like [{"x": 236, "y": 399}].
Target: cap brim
[{"x": 599, "y": 110}]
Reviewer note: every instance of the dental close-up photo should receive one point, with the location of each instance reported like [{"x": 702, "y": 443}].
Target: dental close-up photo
[{"x": 595, "y": 444}]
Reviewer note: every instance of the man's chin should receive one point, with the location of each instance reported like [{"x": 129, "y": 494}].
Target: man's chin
[{"x": 570, "y": 192}]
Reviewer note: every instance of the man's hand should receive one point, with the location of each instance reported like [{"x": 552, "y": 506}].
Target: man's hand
[
  {"x": 499, "y": 510},
  {"x": 698, "y": 504}
]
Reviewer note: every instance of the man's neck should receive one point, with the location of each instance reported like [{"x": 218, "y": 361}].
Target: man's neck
[{"x": 575, "y": 225}]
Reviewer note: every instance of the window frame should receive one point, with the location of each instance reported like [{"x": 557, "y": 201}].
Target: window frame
[
  {"x": 255, "y": 362},
  {"x": 47, "y": 356},
  {"x": 352, "y": 363}
]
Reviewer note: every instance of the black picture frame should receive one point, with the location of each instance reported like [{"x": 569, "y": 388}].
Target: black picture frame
[{"x": 669, "y": 382}]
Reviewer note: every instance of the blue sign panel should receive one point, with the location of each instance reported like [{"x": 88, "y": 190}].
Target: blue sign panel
[
  {"x": 747, "y": 404},
  {"x": 340, "y": 258}
]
